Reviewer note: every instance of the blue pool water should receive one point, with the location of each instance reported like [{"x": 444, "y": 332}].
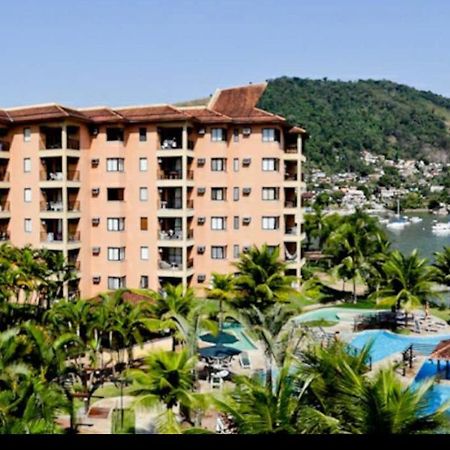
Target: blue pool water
[
  {"x": 333, "y": 314},
  {"x": 244, "y": 342},
  {"x": 386, "y": 343}
]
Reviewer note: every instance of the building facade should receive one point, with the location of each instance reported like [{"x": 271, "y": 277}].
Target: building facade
[{"x": 141, "y": 196}]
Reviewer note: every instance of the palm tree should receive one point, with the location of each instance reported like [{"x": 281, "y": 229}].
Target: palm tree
[
  {"x": 222, "y": 289},
  {"x": 257, "y": 408},
  {"x": 261, "y": 279},
  {"x": 409, "y": 280},
  {"x": 166, "y": 379},
  {"x": 442, "y": 264}
]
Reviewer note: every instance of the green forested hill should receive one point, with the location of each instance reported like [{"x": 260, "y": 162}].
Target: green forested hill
[{"x": 344, "y": 118}]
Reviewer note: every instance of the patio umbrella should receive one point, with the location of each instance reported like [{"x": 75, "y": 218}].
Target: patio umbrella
[
  {"x": 220, "y": 338},
  {"x": 218, "y": 351}
]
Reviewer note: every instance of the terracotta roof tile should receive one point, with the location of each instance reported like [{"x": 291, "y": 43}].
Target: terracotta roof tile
[
  {"x": 158, "y": 113},
  {"x": 441, "y": 351},
  {"x": 45, "y": 112},
  {"x": 4, "y": 117},
  {"x": 206, "y": 115},
  {"x": 102, "y": 114}
]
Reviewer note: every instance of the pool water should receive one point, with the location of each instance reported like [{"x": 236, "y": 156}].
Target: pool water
[
  {"x": 333, "y": 314},
  {"x": 244, "y": 342},
  {"x": 386, "y": 343}
]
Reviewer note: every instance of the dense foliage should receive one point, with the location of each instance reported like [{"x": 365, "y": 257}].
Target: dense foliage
[{"x": 344, "y": 118}]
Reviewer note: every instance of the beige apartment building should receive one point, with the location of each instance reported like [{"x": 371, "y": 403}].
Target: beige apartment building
[{"x": 141, "y": 196}]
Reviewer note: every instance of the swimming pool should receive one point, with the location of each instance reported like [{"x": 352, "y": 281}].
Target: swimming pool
[
  {"x": 333, "y": 314},
  {"x": 244, "y": 342},
  {"x": 386, "y": 343}
]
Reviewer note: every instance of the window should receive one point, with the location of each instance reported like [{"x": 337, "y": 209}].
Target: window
[
  {"x": 116, "y": 253},
  {"x": 218, "y": 252},
  {"x": 144, "y": 223},
  {"x": 235, "y": 251},
  {"x": 27, "y": 224},
  {"x": 218, "y": 134},
  {"x": 115, "y": 224},
  {"x": 218, "y": 193},
  {"x": 143, "y": 164},
  {"x": 236, "y": 134},
  {"x": 115, "y": 164},
  {"x": 218, "y": 164},
  {"x": 270, "y": 193},
  {"x": 116, "y": 194},
  {"x": 270, "y": 164},
  {"x": 270, "y": 223},
  {"x": 143, "y": 194},
  {"x": 143, "y": 282},
  {"x": 142, "y": 134},
  {"x": 26, "y": 134},
  {"x": 236, "y": 222},
  {"x": 235, "y": 194},
  {"x": 144, "y": 253},
  {"x": 114, "y": 134},
  {"x": 218, "y": 223},
  {"x": 116, "y": 282},
  {"x": 270, "y": 135},
  {"x": 27, "y": 195},
  {"x": 27, "y": 165},
  {"x": 236, "y": 164}
]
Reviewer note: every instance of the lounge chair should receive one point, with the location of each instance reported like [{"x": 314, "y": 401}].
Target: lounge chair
[{"x": 244, "y": 359}]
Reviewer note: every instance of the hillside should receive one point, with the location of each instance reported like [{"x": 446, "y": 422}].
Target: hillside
[{"x": 344, "y": 118}]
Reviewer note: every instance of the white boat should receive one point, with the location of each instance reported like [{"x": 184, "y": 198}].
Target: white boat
[
  {"x": 398, "y": 224},
  {"x": 416, "y": 219},
  {"x": 383, "y": 220},
  {"x": 441, "y": 228}
]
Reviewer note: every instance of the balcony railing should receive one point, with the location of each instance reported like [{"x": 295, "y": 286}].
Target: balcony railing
[
  {"x": 291, "y": 148},
  {"x": 73, "y": 144},
  {"x": 54, "y": 206},
  {"x": 163, "y": 204},
  {"x": 4, "y": 236},
  {"x": 190, "y": 174},
  {"x": 4, "y": 175},
  {"x": 75, "y": 264},
  {"x": 170, "y": 175},
  {"x": 74, "y": 237},
  {"x": 4, "y": 207},
  {"x": 175, "y": 265},
  {"x": 190, "y": 263},
  {"x": 50, "y": 176},
  {"x": 73, "y": 206},
  {"x": 292, "y": 231},
  {"x": 4, "y": 146},
  {"x": 170, "y": 235},
  {"x": 290, "y": 204},
  {"x": 170, "y": 144},
  {"x": 51, "y": 145},
  {"x": 73, "y": 175},
  {"x": 190, "y": 204},
  {"x": 51, "y": 237},
  {"x": 290, "y": 177}
]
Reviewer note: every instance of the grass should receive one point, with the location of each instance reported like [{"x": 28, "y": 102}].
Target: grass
[
  {"x": 361, "y": 304},
  {"x": 402, "y": 331},
  {"x": 128, "y": 422},
  {"x": 110, "y": 390},
  {"x": 442, "y": 314},
  {"x": 320, "y": 323}
]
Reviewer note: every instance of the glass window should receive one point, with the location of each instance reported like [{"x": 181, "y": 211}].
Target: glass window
[
  {"x": 218, "y": 193},
  {"x": 116, "y": 282},
  {"x": 116, "y": 253},
  {"x": 236, "y": 164},
  {"x": 269, "y": 164},
  {"x": 218, "y": 164},
  {"x": 144, "y": 223},
  {"x": 27, "y": 225},
  {"x": 236, "y": 222},
  {"x": 270, "y": 193},
  {"x": 268, "y": 134},
  {"x": 143, "y": 164},
  {"x": 143, "y": 194},
  {"x": 116, "y": 194},
  {"x": 27, "y": 134},
  {"x": 235, "y": 194},
  {"x": 142, "y": 134},
  {"x": 144, "y": 253},
  {"x": 27, "y": 195},
  {"x": 218, "y": 223},
  {"x": 114, "y": 134},
  {"x": 115, "y": 224},
  {"x": 27, "y": 164},
  {"x": 143, "y": 282},
  {"x": 115, "y": 164},
  {"x": 236, "y": 134},
  {"x": 218, "y": 252},
  {"x": 235, "y": 251},
  {"x": 218, "y": 134},
  {"x": 270, "y": 223}
]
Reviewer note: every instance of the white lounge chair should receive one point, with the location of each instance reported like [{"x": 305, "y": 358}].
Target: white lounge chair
[{"x": 244, "y": 359}]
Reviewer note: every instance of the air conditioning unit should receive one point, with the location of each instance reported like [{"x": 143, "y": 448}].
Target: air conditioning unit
[
  {"x": 95, "y": 192},
  {"x": 246, "y": 191},
  {"x": 201, "y": 190},
  {"x": 200, "y": 249},
  {"x": 246, "y": 161},
  {"x": 201, "y": 131},
  {"x": 246, "y": 220},
  {"x": 201, "y": 220},
  {"x": 96, "y": 279},
  {"x": 96, "y": 250},
  {"x": 201, "y": 277},
  {"x": 201, "y": 161},
  {"x": 93, "y": 130},
  {"x": 95, "y": 162},
  {"x": 247, "y": 131},
  {"x": 95, "y": 221}
]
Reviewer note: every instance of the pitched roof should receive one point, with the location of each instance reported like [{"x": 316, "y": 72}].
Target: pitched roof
[
  {"x": 102, "y": 114},
  {"x": 441, "y": 351},
  {"x": 157, "y": 113},
  {"x": 206, "y": 115},
  {"x": 4, "y": 117},
  {"x": 43, "y": 112}
]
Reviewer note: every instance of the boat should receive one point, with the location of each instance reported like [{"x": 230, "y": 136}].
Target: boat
[
  {"x": 416, "y": 219},
  {"x": 441, "y": 228},
  {"x": 400, "y": 222},
  {"x": 383, "y": 220}
]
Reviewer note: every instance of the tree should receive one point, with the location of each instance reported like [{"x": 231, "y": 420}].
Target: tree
[
  {"x": 442, "y": 265},
  {"x": 222, "y": 289}
]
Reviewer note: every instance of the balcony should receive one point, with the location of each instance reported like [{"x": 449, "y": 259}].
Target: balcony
[
  {"x": 4, "y": 149},
  {"x": 73, "y": 206},
  {"x": 51, "y": 176},
  {"x": 175, "y": 265},
  {"x": 290, "y": 204},
  {"x": 73, "y": 236},
  {"x": 290, "y": 177},
  {"x": 51, "y": 237},
  {"x": 173, "y": 238},
  {"x": 291, "y": 148},
  {"x": 73, "y": 175},
  {"x": 52, "y": 206},
  {"x": 4, "y": 236},
  {"x": 5, "y": 212},
  {"x": 73, "y": 144},
  {"x": 4, "y": 176},
  {"x": 75, "y": 264}
]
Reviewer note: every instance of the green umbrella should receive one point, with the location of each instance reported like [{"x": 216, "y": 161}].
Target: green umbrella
[
  {"x": 220, "y": 338},
  {"x": 218, "y": 351}
]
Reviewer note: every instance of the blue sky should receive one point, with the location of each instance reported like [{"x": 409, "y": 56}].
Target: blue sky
[{"x": 126, "y": 52}]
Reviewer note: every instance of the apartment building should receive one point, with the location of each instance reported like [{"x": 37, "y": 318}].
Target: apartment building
[{"x": 141, "y": 196}]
